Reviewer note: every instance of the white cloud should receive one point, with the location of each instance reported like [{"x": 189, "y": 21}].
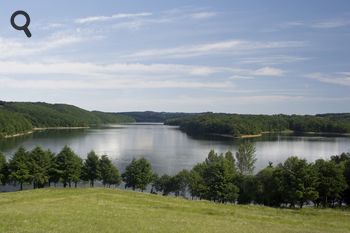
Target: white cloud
[
  {"x": 273, "y": 60},
  {"x": 78, "y": 68},
  {"x": 268, "y": 71},
  {"x": 94, "y": 19},
  {"x": 15, "y": 48},
  {"x": 340, "y": 78},
  {"x": 230, "y": 46},
  {"x": 130, "y": 69},
  {"x": 203, "y": 15},
  {"x": 331, "y": 24},
  {"x": 325, "y": 24},
  {"x": 108, "y": 83}
]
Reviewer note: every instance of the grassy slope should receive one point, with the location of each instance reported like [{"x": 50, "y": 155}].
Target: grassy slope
[{"x": 103, "y": 210}]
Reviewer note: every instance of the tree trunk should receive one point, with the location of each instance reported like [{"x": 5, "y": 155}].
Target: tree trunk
[{"x": 21, "y": 185}]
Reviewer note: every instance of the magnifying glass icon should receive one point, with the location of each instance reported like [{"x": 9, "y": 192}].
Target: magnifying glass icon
[{"x": 25, "y": 26}]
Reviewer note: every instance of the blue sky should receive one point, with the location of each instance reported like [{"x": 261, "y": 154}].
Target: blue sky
[{"x": 224, "y": 56}]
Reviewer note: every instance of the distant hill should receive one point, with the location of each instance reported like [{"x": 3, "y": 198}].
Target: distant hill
[
  {"x": 337, "y": 116},
  {"x": 159, "y": 117},
  {"x": 20, "y": 117}
]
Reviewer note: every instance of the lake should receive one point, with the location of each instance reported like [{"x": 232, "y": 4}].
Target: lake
[{"x": 170, "y": 150}]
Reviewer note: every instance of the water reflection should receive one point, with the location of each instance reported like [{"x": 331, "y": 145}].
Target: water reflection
[{"x": 171, "y": 150}]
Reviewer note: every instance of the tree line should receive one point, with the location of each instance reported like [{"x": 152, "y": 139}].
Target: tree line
[
  {"x": 223, "y": 178},
  {"x": 237, "y": 125},
  {"x": 43, "y": 168}
]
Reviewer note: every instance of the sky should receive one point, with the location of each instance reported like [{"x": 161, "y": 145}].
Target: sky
[{"x": 243, "y": 56}]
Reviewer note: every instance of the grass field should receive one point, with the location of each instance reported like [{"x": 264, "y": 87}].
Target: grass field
[{"x": 104, "y": 210}]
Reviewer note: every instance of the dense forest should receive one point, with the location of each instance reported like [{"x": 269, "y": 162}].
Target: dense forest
[
  {"x": 19, "y": 117},
  {"x": 157, "y": 117},
  {"x": 223, "y": 178},
  {"x": 238, "y": 125}
]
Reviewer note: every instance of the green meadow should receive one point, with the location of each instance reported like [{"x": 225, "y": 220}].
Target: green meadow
[{"x": 113, "y": 210}]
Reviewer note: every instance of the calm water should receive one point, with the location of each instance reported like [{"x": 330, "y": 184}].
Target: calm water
[{"x": 171, "y": 150}]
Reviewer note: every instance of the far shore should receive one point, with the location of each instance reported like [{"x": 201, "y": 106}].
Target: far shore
[
  {"x": 247, "y": 136},
  {"x": 42, "y": 129},
  {"x": 58, "y": 128},
  {"x": 237, "y": 137}
]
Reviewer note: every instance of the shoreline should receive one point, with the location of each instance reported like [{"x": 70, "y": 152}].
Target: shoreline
[
  {"x": 247, "y": 136},
  {"x": 18, "y": 135},
  {"x": 42, "y": 129}
]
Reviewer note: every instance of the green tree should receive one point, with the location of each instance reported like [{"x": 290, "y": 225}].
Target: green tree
[
  {"x": 115, "y": 178},
  {"x": 331, "y": 182},
  {"x": 3, "y": 169},
  {"x": 68, "y": 166},
  {"x": 297, "y": 181},
  {"x": 53, "y": 171},
  {"x": 138, "y": 174},
  {"x": 109, "y": 173},
  {"x": 214, "y": 179},
  {"x": 76, "y": 170},
  {"x": 19, "y": 168},
  {"x": 163, "y": 184},
  {"x": 197, "y": 184},
  {"x": 247, "y": 189},
  {"x": 246, "y": 158},
  {"x": 91, "y": 168},
  {"x": 181, "y": 183},
  {"x": 39, "y": 166},
  {"x": 267, "y": 187}
]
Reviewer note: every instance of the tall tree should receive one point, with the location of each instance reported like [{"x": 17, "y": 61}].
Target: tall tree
[
  {"x": 197, "y": 184},
  {"x": 214, "y": 179},
  {"x": 68, "y": 166},
  {"x": 76, "y": 168},
  {"x": 91, "y": 168},
  {"x": 109, "y": 173},
  {"x": 331, "y": 182},
  {"x": 219, "y": 177},
  {"x": 181, "y": 182},
  {"x": 138, "y": 174},
  {"x": 39, "y": 166},
  {"x": 53, "y": 171},
  {"x": 3, "y": 169},
  {"x": 19, "y": 168},
  {"x": 247, "y": 189},
  {"x": 297, "y": 181},
  {"x": 115, "y": 178},
  {"x": 267, "y": 187},
  {"x": 163, "y": 184},
  {"x": 246, "y": 158}
]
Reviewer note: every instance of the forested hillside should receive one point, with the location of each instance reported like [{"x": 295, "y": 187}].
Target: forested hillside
[
  {"x": 19, "y": 117},
  {"x": 113, "y": 118},
  {"x": 238, "y": 125},
  {"x": 12, "y": 123},
  {"x": 149, "y": 116}
]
